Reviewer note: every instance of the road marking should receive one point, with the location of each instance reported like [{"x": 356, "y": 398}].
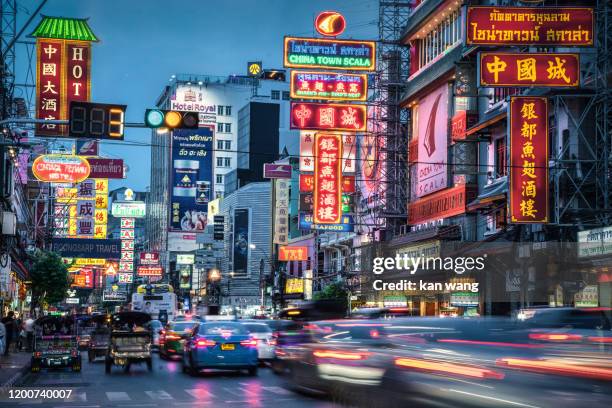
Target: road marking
[
  {"x": 200, "y": 393},
  {"x": 494, "y": 399},
  {"x": 160, "y": 395},
  {"x": 118, "y": 396},
  {"x": 232, "y": 391},
  {"x": 277, "y": 390}
]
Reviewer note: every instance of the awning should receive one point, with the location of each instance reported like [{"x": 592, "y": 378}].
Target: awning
[
  {"x": 491, "y": 193},
  {"x": 486, "y": 123}
]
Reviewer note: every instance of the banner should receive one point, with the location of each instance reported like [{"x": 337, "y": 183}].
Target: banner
[
  {"x": 528, "y": 159},
  {"x": 532, "y": 69},
  {"x": 240, "y": 253},
  {"x": 191, "y": 180},
  {"x": 546, "y": 26},
  {"x": 329, "y": 85},
  {"x": 328, "y": 178},
  {"x": 328, "y": 116}
]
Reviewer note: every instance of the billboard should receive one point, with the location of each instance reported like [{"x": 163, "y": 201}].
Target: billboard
[
  {"x": 333, "y": 86},
  {"x": 528, "y": 159},
  {"x": 328, "y": 116},
  {"x": 329, "y": 54},
  {"x": 240, "y": 252},
  {"x": 328, "y": 178},
  {"x": 546, "y": 26},
  {"x": 432, "y": 125},
  {"x": 533, "y": 69},
  {"x": 191, "y": 181}
]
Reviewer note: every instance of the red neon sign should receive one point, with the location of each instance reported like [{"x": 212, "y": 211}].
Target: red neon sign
[
  {"x": 328, "y": 116},
  {"x": 330, "y": 23},
  {"x": 328, "y": 178}
]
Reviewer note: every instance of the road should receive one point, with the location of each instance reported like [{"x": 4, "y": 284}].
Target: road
[{"x": 166, "y": 386}]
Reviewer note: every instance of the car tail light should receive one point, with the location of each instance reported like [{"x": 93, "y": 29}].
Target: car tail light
[
  {"x": 272, "y": 342},
  {"x": 249, "y": 343},
  {"x": 446, "y": 368},
  {"x": 600, "y": 339},
  {"x": 340, "y": 355},
  {"x": 374, "y": 334},
  {"x": 205, "y": 343},
  {"x": 172, "y": 336},
  {"x": 555, "y": 336},
  {"x": 37, "y": 354}
]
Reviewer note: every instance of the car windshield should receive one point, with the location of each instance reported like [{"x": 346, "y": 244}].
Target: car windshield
[
  {"x": 181, "y": 326},
  {"x": 223, "y": 329},
  {"x": 258, "y": 328}
]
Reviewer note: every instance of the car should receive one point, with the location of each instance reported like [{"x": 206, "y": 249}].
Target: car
[
  {"x": 221, "y": 345},
  {"x": 173, "y": 336},
  {"x": 266, "y": 342},
  {"x": 155, "y": 327}
]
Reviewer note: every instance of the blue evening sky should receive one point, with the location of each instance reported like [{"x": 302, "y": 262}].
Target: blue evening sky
[{"x": 143, "y": 42}]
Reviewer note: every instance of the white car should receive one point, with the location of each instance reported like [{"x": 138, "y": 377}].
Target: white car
[{"x": 266, "y": 342}]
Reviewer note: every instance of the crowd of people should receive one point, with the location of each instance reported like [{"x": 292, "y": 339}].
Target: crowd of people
[{"x": 16, "y": 333}]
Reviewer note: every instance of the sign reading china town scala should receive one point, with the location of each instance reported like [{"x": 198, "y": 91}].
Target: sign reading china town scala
[
  {"x": 328, "y": 178},
  {"x": 63, "y": 69},
  {"x": 330, "y": 23},
  {"x": 328, "y": 116},
  {"x": 290, "y": 253},
  {"x": 547, "y": 26},
  {"x": 329, "y": 85},
  {"x": 528, "y": 159},
  {"x": 330, "y": 54},
  {"x": 59, "y": 168},
  {"x": 533, "y": 69}
]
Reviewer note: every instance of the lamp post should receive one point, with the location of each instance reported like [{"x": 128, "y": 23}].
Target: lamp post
[{"x": 213, "y": 295}]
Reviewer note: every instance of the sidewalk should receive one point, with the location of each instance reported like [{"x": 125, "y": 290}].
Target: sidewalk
[{"x": 13, "y": 367}]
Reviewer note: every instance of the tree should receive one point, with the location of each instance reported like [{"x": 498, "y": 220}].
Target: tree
[
  {"x": 333, "y": 291},
  {"x": 49, "y": 277}
]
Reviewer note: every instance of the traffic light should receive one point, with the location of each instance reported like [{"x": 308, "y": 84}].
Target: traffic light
[{"x": 156, "y": 118}]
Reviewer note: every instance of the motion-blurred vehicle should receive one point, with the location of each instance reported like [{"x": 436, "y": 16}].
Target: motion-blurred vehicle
[
  {"x": 220, "y": 345},
  {"x": 173, "y": 336},
  {"x": 130, "y": 341},
  {"x": 382, "y": 312},
  {"x": 56, "y": 344},
  {"x": 99, "y": 337},
  {"x": 266, "y": 342},
  {"x": 155, "y": 327}
]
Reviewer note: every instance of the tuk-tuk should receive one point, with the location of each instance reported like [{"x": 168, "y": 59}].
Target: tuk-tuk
[
  {"x": 55, "y": 344},
  {"x": 99, "y": 337},
  {"x": 130, "y": 341}
]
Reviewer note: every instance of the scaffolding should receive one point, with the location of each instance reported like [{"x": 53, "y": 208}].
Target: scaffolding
[{"x": 8, "y": 30}]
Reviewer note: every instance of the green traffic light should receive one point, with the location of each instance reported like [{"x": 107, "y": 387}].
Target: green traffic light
[{"x": 154, "y": 118}]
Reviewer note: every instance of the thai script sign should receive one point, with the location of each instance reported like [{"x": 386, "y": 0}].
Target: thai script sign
[
  {"x": 330, "y": 54},
  {"x": 329, "y": 85}
]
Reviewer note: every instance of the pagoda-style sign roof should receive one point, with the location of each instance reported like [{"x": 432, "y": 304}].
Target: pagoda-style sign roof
[{"x": 63, "y": 28}]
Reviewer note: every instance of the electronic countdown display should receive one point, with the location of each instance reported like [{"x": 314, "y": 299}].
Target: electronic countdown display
[{"x": 96, "y": 121}]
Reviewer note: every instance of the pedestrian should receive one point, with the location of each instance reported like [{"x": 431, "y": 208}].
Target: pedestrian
[
  {"x": 28, "y": 327},
  {"x": 9, "y": 326}
]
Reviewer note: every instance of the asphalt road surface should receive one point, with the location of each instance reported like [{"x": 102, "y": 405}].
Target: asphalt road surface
[{"x": 166, "y": 386}]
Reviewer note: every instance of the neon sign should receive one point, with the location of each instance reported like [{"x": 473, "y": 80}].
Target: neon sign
[
  {"x": 58, "y": 168},
  {"x": 328, "y": 178},
  {"x": 330, "y": 23},
  {"x": 327, "y": 53},
  {"x": 328, "y": 116},
  {"x": 329, "y": 85}
]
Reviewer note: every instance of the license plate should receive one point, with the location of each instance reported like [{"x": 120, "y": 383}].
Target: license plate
[{"x": 228, "y": 347}]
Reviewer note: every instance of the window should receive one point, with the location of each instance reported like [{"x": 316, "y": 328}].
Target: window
[
  {"x": 501, "y": 166},
  {"x": 228, "y": 145},
  {"x": 227, "y": 161},
  {"x": 228, "y": 127},
  {"x": 219, "y": 161},
  {"x": 220, "y": 110},
  {"x": 219, "y": 127},
  {"x": 500, "y": 94},
  {"x": 219, "y": 144},
  {"x": 228, "y": 111},
  {"x": 276, "y": 95},
  {"x": 219, "y": 179},
  {"x": 444, "y": 36},
  {"x": 286, "y": 96}
]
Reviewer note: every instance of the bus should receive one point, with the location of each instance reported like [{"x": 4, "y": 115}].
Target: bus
[{"x": 157, "y": 300}]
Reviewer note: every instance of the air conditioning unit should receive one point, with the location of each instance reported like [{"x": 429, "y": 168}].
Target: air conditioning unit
[{"x": 9, "y": 223}]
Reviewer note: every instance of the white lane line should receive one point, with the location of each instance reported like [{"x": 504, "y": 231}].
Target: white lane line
[
  {"x": 471, "y": 383},
  {"x": 232, "y": 391},
  {"x": 117, "y": 396},
  {"x": 277, "y": 390},
  {"x": 520, "y": 404},
  {"x": 200, "y": 393},
  {"x": 77, "y": 397},
  {"x": 159, "y": 395}
]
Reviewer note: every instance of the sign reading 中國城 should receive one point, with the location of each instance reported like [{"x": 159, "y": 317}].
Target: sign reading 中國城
[
  {"x": 546, "y": 26},
  {"x": 528, "y": 159},
  {"x": 329, "y": 85},
  {"x": 292, "y": 253},
  {"x": 131, "y": 209},
  {"x": 328, "y": 116},
  {"x": 329, "y": 54},
  {"x": 532, "y": 69},
  {"x": 60, "y": 168},
  {"x": 328, "y": 178}
]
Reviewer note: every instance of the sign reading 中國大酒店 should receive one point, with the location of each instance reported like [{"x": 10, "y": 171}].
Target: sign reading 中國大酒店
[
  {"x": 191, "y": 179},
  {"x": 528, "y": 159},
  {"x": 547, "y": 26},
  {"x": 532, "y": 69},
  {"x": 330, "y": 54},
  {"x": 328, "y": 116},
  {"x": 129, "y": 209},
  {"x": 87, "y": 248},
  {"x": 328, "y": 178},
  {"x": 329, "y": 85}
]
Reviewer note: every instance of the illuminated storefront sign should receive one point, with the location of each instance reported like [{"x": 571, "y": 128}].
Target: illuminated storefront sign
[
  {"x": 281, "y": 212},
  {"x": 329, "y": 85},
  {"x": 307, "y": 183},
  {"x": 444, "y": 204},
  {"x": 125, "y": 277},
  {"x": 328, "y": 116},
  {"x": 149, "y": 271},
  {"x": 532, "y": 69},
  {"x": 149, "y": 258},
  {"x": 349, "y": 152},
  {"x": 185, "y": 259},
  {"x": 59, "y": 168},
  {"x": 460, "y": 123},
  {"x": 328, "y": 53},
  {"x": 563, "y": 26},
  {"x": 595, "y": 242},
  {"x": 528, "y": 159},
  {"x": 346, "y": 224},
  {"x": 328, "y": 178},
  {"x": 306, "y": 147},
  {"x": 132, "y": 209},
  {"x": 294, "y": 285},
  {"x": 292, "y": 253},
  {"x": 330, "y": 23}
]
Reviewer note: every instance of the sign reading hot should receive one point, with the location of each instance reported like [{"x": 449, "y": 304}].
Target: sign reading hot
[
  {"x": 328, "y": 116},
  {"x": 330, "y": 23}
]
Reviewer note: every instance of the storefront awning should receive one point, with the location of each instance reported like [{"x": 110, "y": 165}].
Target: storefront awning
[{"x": 491, "y": 193}]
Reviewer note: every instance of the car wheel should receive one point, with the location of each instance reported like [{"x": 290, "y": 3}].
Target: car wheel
[{"x": 253, "y": 371}]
